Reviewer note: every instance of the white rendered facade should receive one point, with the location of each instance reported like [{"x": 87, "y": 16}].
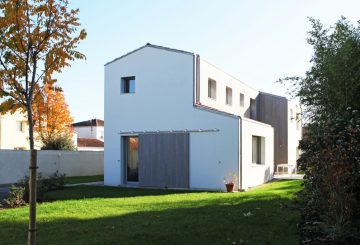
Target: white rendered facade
[
  {"x": 91, "y": 132},
  {"x": 171, "y": 94}
]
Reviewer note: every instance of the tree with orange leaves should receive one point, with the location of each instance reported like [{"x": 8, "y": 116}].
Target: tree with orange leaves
[
  {"x": 51, "y": 115},
  {"x": 37, "y": 39}
]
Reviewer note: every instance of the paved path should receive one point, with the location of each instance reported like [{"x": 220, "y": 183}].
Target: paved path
[
  {"x": 288, "y": 176},
  {"x": 99, "y": 183}
]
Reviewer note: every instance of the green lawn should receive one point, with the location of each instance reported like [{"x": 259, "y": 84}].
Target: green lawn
[
  {"x": 83, "y": 179},
  {"x": 106, "y": 215}
]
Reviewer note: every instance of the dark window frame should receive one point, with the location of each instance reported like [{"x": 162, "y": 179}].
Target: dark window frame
[{"x": 126, "y": 87}]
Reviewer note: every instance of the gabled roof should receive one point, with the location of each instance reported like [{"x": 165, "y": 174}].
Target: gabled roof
[
  {"x": 152, "y": 46},
  {"x": 87, "y": 142},
  {"x": 92, "y": 122}
]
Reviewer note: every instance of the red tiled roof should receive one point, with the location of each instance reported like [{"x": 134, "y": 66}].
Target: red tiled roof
[
  {"x": 88, "y": 123},
  {"x": 85, "y": 142}
]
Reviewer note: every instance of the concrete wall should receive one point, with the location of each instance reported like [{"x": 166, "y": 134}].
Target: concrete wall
[
  {"x": 14, "y": 164},
  {"x": 224, "y": 80},
  {"x": 163, "y": 100},
  {"x": 256, "y": 174}
]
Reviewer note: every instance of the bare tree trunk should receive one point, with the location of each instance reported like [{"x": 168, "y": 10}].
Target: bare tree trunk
[{"x": 32, "y": 181}]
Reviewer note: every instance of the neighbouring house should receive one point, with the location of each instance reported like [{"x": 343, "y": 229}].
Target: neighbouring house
[
  {"x": 176, "y": 121},
  {"x": 90, "y": 135},
  {"x": 14, "y": 131}
]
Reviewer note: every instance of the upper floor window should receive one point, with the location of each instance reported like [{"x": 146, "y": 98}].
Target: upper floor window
[
  {"x": 128, "y": 85},
  {"x": 228, "y": 96},
  {"x": 241, "y": 99},
  {"x": 212, "y": 89},
  {"x": 20, "y": 126}
]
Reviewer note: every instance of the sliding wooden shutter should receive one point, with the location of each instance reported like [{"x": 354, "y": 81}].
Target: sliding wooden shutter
[{"x": 164, "y": 160}]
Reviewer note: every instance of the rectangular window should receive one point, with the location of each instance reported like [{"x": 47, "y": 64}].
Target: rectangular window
[
  {"x": 228, "y": 96},
  {"x": 241, "y": 99},
  {"x": 19, "y": 126},
  {"x": 128, "y": 85},
  {"x": 212, "y": 89},
  {"x": 258, "y": 149}
]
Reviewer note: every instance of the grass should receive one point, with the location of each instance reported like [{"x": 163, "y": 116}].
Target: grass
[
  {"x": 109, "y": 215},
  {"x": 83, "y": 179}
]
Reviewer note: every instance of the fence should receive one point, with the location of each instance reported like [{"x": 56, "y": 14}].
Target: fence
[{"x": 14, "y": 164}]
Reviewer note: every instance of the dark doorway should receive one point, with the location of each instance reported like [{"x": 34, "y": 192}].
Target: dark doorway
[{"x": 132, "y": 158}]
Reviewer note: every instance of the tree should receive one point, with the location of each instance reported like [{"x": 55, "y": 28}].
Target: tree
[
  {"x": 333, "y": 82},
  {"x": 37, "y": 39},
  {"x": 51, "y": 116},
  {"x": 329, "y": 93}
]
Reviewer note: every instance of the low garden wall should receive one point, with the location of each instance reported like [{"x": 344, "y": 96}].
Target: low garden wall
[{"x": 14, "y": 164}]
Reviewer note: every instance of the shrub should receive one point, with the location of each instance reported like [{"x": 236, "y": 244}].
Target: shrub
[
  {"x": 331, "y": 196},
  {"x": 63, "y": 143},
  {"x": 55, "y": 182},
  {"x": 15, "y": 197}
]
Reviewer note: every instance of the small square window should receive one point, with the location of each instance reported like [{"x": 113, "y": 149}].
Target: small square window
[
  {"x": 128, "y": 85},
  {"x": 212, "y": 89},
  {"x": 241, "y": 99},
  {"x": 228, "y": 96}
]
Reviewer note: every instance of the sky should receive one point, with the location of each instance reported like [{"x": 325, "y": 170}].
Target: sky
[{"x": 257, "y": 41}]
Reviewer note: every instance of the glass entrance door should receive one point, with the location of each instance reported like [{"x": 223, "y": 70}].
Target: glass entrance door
[{"x": 132, "y": 159}]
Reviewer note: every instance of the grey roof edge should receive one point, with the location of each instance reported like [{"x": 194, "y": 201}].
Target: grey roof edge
[
  {"x": 274, "y": 95},
  {"x": 151, "y": 46},
  {"x": 215, "y": 111}
]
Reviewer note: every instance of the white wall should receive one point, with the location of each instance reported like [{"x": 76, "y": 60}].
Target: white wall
[
  {"x": 256, "y": 174},
  {"x": 224, "y": 80},
  {"x": 90, "y": 132},
  {"x": 15, "y": 164},
  {"x": 294, "y": 133},
  {"x": 163, "y": 100}
]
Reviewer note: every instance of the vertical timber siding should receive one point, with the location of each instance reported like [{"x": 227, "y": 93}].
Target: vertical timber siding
[
  {"x": 164, "y": 160},
  {"x": 272, "y": 110}
]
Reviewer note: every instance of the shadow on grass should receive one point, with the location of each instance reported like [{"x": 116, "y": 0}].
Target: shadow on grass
[
  {"x": 81, "y": 192},
  {"x": 218, "y": 222}
]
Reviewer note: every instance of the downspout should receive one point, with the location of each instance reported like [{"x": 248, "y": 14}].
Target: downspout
[{"x": 240, "y": 155}]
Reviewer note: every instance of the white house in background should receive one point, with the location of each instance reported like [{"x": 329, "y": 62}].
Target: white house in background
[
  {"x": 174, "y": 120},
  {"x": 14, "y": 132},
  {"x": 90, "y": 135}
]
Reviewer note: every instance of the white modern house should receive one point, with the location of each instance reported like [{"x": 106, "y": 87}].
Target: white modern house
[
  {"x": 174, "y": 120},
  {"x": 89, "y": 135}
]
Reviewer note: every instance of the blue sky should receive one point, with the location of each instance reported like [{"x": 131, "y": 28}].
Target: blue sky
[{"x": 255, "y": 41}]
